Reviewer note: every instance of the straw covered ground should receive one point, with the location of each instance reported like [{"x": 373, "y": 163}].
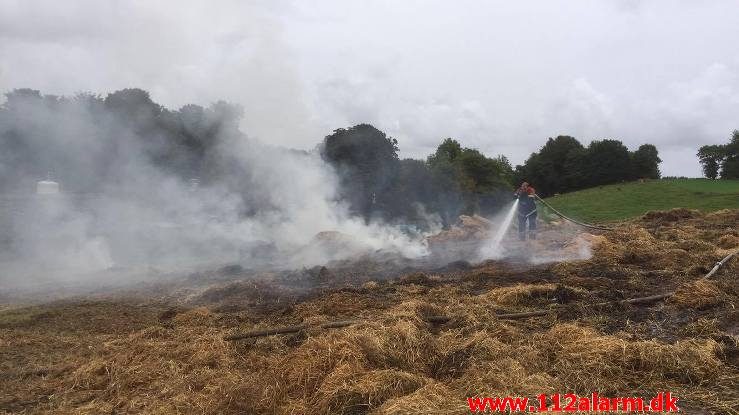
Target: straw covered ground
[{"x": 161, "y": 350}]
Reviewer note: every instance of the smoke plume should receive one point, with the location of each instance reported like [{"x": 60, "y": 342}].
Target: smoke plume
[{"x": 122, "y": 206}]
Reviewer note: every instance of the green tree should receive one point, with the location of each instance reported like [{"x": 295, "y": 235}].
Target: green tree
[
  {"x": 507, "y": 173},
  {"x": 547, "y": 169},
  {"x": 446, "y": 152},
  {"x": 449, "y": 179},
  {"x": 711, "y": 158},
  {"x": 366, "y": 160},
  {"x": 469, "y": 181},
  {"x": 46, "y": 133},
  {"x": 575, "y": 169},
  {"x": 606, "y": 162},
  {"x": 563, "y": 164},
  {"x": 730, "y": 166},
  {"x": 17, "y": 99},
  {"x": 135, "y": 107},
  {"x": 552, "y": 173},
  {"x": 486, "y": 177},
  {"x": 483, "y": 174},
  {"x": 645, "y": 162}
]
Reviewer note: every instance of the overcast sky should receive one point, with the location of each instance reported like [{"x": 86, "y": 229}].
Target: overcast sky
[{"x": 501, "y": 76}]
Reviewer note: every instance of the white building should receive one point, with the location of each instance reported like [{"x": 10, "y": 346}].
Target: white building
[{"x": 47, "y": 187}]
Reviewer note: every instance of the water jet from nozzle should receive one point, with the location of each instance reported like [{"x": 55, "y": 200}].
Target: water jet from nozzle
[{"x": 493, "y": 250}]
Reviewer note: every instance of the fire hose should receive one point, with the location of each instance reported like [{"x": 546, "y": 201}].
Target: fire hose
[{"x": 560, "y": 214}]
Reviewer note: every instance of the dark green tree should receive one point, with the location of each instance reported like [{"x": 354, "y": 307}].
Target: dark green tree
[
  {"x": 507, "y": 173},
  {"x": 730, "y": 166},
  {"x": 42, "y": 134},
  {"x": 547, "y": 169},
  {"x": 721, "y": 160},
  {"x": 449, "y": 179},
  {"x": 487, "y": 180},
  {"x": 366, "y": 160},
  {"x": 563, "y": 165},
  {"x": 135, "y": 107},
  {"x": 469, "y": 181},
  {"x": 483, "y": 174},
  {"x": 606, "y": 162},
  {"x": 575, "y": 169},
  {"x": 446, "y": 152},
  {"x": 645, "y": 162},
  {"x": 711, "y": 158}
]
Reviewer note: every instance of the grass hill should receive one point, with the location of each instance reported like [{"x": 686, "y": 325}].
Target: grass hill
[{"x": 627, "y": 200}]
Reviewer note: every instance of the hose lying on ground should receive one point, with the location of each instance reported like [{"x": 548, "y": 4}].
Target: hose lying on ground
[
  {"x": 445, "y": 319},
  {"x": 719, "y": 265},
  {"x": 561, "y": 215}
]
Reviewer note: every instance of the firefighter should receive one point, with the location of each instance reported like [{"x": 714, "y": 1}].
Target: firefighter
[{"x": 526, "y": 211}]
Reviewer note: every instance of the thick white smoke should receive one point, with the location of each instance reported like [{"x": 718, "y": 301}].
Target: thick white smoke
[{"x": 146, "y": 217}]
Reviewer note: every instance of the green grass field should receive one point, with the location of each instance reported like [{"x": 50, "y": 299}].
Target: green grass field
[{"x": 628, "y": 200}]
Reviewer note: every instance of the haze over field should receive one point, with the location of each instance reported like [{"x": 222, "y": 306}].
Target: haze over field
[
  {"x": 498, "y": 76},
  {"x": 368, "y": 206},
  {"x": 144, "y": 186}
]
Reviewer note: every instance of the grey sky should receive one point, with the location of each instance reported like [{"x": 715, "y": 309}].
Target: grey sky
[{"x": 500, "y": 76}]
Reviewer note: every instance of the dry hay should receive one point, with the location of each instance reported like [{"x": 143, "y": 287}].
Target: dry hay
[
  {"x": 344, "y": 391},
  {"x": 434, "y": 398},
  {"x": 468, "y": 228},
  {"x": 480, "y": 364},
  {"x": 679, "y": 233},
  {"x": 695, "y": 246},
  {"x": 672, "y": 215},
  {"x": 582, "y": 246},
  {"x": 635, "y": 246},
  {"x": 518, "y": 294},
  {"x": 306, "y": 369},
  {"x": 335, "y": 305},
  {"x": 456, "y": 351},
  {"x": 698, "y": 295},
  {"x": 251, "y": 292},
  {"x": 395, "y": 362},
  {"x": 586, "y": 360},
  {"x": 200, "y": 316},
  {"x": 727, "y": 216},
  {"x": 155, "y": 371},
  {"x": 702, "y": 328},
  {"x": 506, "y": 376},
  {"x": 402, "y": 345},
  {"x": 683, "y": 249},
  {"x": 354, "y": 369},
  {"x": 728, "y": 241}
]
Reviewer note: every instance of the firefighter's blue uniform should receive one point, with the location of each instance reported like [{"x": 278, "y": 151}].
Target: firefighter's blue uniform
[{"x": 526, "y": 212}]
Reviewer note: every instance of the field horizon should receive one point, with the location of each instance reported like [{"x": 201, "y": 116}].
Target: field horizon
[{"x": 622, "y": 201}]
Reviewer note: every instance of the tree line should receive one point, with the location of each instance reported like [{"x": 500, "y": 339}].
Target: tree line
[
  {"x": 563, "y": 164},
  {"x": 43, "y": 133},
  {"x": 455, "y": 179},
  {"x": 86, "y": 141},
  {"x": 721, "y": 160},
  {"x": 378, "y": 184}
]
